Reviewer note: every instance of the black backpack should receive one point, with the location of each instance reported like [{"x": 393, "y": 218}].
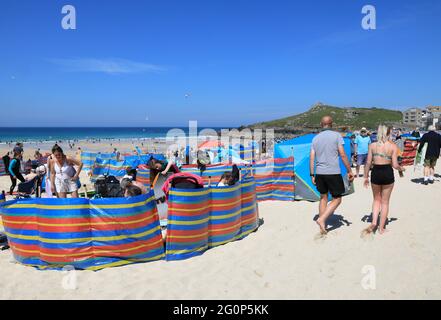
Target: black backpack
[{"x": 108, "y": 187}]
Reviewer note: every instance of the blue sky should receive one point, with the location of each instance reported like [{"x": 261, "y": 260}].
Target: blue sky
[{"x": 221, "y": 62}]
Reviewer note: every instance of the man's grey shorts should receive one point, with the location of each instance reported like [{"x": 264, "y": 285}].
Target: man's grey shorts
[{"x": 361, "y": 159}]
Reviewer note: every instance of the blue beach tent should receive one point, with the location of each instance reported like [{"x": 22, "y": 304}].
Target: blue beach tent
[{"x": 300, "y": 148}]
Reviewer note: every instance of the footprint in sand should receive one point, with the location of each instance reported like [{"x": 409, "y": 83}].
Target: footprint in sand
[
  {"x": 320, "y": 237},
  {"x": 367, "y": 236}
]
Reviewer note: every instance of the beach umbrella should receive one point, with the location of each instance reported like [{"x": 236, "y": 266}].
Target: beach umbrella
[{"x": 210, "y": 144}]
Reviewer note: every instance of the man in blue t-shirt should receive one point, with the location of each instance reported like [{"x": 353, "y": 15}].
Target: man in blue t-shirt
[{"x": 362, "y": 143}]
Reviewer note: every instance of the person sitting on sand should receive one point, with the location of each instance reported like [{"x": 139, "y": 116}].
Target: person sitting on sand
[
  {"x": 64, "y": 177},
  {"x": 383, "y": 155},
  {"x": 326, "y": 148},
  {"x": 132, "y": 191},
  {"x": 226, "y": 180},
  {"x": 127, "y": 181}
]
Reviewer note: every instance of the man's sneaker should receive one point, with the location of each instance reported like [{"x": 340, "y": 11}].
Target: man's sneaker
[
  {"x": 425, "y": 182},
  {"x": 431, "y": 181}
]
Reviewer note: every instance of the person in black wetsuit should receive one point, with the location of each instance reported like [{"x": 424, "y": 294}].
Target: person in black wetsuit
[
  {"x": 14, "y": 170},
  {"x": 433, "y": 141}
]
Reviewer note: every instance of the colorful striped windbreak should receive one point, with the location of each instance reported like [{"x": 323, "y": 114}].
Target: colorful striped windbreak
[
  {"x": 88, "y": 159},
  {"x": 274, "y": 177},
  {"x": 109, "y": 168},
  {"x": 199, "y": 219},
  {"x": 409, "y": 153},
  {"x": 83, "y": 233},
  {"x": 143, "y": 175}
]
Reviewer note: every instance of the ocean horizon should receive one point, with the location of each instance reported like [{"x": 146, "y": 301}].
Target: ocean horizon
[{"x": 31, "y": 134}]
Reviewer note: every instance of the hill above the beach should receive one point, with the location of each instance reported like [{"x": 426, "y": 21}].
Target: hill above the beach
[{"x": 344, "y": 118}]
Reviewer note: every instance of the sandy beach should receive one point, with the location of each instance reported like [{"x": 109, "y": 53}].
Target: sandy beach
[{"x": 284, "y": 259}]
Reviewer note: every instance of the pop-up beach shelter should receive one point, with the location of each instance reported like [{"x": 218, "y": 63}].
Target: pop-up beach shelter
[{"x": 300, "y": 148}]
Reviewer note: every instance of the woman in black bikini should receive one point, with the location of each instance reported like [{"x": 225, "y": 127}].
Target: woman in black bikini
[{"x": 383, "y": 157}]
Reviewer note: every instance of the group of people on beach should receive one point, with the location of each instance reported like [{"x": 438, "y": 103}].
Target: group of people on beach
[
  {"x": 379, "y": 158},
  {"x": 62, "y": 172}
]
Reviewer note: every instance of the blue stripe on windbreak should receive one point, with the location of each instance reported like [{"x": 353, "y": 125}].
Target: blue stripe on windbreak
[
  {"x": 85, "y": 244},
  {"x": 200, "y": 226},
  {"x": 225, "y": 220},
  {"x": 83, "y": 234}
]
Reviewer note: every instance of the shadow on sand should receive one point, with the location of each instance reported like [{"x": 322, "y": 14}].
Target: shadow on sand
[
  {"x": 334, "y": 222},
  {"x": 368, "y": 218}
]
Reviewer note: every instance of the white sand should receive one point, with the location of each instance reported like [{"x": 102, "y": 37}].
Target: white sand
[{"x": 280, "y": 261}]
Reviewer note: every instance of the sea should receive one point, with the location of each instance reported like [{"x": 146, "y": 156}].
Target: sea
[{"x": 87, "y": 133}]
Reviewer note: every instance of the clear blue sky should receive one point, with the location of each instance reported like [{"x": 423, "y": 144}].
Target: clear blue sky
[{"x": 221, "y": 62}]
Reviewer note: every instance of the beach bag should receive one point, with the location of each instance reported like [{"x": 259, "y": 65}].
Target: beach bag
[
  {"x": 419, "y": 158},
  {"x": 108, "y": 187},
  {"x": 203, "y": 157},
  {"x": 182, "y": 180}
]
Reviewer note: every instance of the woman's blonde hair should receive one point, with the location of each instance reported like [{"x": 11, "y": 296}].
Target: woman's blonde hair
[{"x": 383, "y": 133}]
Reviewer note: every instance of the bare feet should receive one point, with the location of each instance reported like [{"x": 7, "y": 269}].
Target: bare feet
[
  {"x": 383, "y": 231},
  {"x": 371, "y": 228},
  {"x": 322, "y": 226},
  {"x": 368, "y": 231}
]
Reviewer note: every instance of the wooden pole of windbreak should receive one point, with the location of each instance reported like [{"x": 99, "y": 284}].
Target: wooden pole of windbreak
[{"x": 156, "y": 179}]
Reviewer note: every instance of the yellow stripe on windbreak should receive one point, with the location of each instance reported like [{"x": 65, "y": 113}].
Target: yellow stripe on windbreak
[
  {"x": 124, "y": 262},
  {"x": 226, "y": 204},
  {"x": 229, "y": 228},
  {"x": 222, "y": 190},
  {"x": 186, "y": 251},
  {"x": 226, "y": 216},
  {"x": 188, "y": 210},
  {"x": 79, "y": 224},
  {"x": 188, "y": 237},
  {"x": 187, "y": 223},
  {"x": 79, "y": 206},
  {"x": 75, "y": 240},
  {"x": 39, "y": 253},
  {"x": 184, "y": 193},
  {"x": 243, "y": 234}
]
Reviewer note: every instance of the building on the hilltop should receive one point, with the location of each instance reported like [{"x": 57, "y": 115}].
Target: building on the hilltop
[
  {"x": 434, "y": 116},
  {"x": 414, "y": 117}
]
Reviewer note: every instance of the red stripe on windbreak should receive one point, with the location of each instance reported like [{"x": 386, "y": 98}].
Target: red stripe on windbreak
[
  {"x": 86, "y": 249},
  {"x": 85, "y": 228},
  {"x": 187, "y": 240},
  {"x": 214, "y": 228},
  {"x": 227, "y": 205},
  {"x": 97, "y": 218},
  {"x": 172, "y": 212},
  {"x": 89, "y": 252},
  {"x": 74, "y": 259}
]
